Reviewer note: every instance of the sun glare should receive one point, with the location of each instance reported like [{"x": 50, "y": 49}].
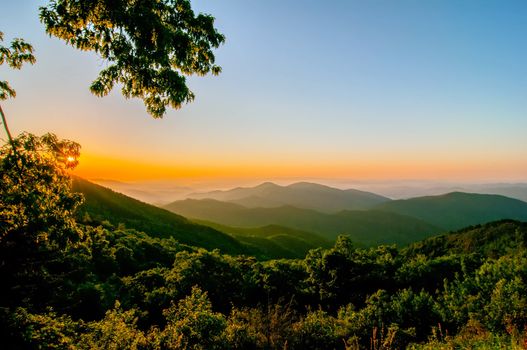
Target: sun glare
[{"x": 70, "y": 159}]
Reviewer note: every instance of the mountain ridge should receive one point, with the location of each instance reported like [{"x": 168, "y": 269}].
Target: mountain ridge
[
  {"x": 366, "y": 227},
  {"x": 305, "y": 195},
  {"x": 397, "y": 221},
  {"x": 456, "y": 210},
  {"x": 104, "y": 204}
]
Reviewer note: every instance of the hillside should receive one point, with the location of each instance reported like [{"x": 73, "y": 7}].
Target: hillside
[
  {"x": 456, "y": 210},
  {"x": 104, "y": 204},
  {"x": 301, "y": 195},
  {"x": 518, "y": 191},
  {"x": 364, "y": 227},
  {"x": 491, "y": 240},
  {"x": 275, "y": 241}
]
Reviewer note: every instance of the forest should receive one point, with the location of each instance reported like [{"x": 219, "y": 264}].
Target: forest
[
  {"x": 72, "y": 282},
  {"x": 82, "y": 267}
]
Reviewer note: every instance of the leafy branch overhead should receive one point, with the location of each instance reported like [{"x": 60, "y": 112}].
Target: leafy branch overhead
[
  {"x": 15, "y": 55},
  {"x": 149, "y": 45}
]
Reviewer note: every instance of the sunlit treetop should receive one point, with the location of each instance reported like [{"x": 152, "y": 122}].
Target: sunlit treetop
[
  {"x": 149, "y": 45},
  {"x": 36, "y": 201}
]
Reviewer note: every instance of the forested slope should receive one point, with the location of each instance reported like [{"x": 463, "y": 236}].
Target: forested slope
[
  {"x": 453, "y": 211},
  {"x": 102, "y": 204},
  {"x": 366, "y": 227}
]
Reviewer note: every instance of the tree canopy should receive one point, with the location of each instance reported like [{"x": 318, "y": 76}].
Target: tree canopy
[{"x": 149, "y": 46}]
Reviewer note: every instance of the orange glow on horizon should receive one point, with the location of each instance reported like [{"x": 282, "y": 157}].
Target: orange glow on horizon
[{"x": 103, "y": 167}]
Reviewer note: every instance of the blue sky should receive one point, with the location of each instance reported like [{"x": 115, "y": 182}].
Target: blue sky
[{"x": 381, "y": 89}]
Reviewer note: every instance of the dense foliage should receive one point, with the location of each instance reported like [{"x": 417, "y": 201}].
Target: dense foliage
[
  {"x": 93, "y": 285},
  {"x": 149, "y": 45}
]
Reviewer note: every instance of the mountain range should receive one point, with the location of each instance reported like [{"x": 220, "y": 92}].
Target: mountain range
[
  {"x": 365, "y": 227},
  {"x": 102, "y": 204},
  {"x": 305, "y": 195},
  {"x": 162, "y": 192},
  {"x": 387, "y": 221},
  {"x": 289, "y": 231}
]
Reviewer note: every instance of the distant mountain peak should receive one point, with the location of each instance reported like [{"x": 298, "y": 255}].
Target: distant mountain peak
[
  {"x": 306, "y": 195},
  {"x": 267, "y": 184},
  {"x": 306, "y": 184}
]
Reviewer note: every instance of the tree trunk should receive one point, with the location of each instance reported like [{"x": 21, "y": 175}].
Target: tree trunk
[{"x": 4, "y": 121}]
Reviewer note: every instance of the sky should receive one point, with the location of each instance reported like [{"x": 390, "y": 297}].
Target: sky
[{"x": 364, "y": 90}]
